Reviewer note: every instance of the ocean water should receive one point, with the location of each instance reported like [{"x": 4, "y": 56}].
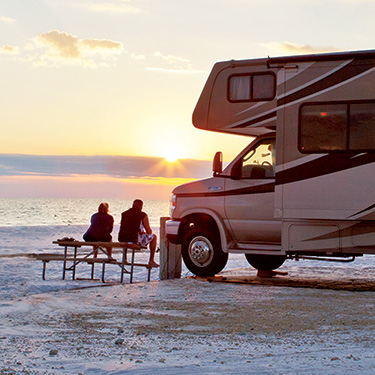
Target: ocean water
[
  {"x": 33, "y": 211},
  {"x": 29, "y": 226}
]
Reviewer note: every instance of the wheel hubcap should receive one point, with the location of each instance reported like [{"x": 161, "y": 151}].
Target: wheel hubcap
[{"x": 200, "y": 251}]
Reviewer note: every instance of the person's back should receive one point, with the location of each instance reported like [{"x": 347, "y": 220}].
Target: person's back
[
  {"x": 130, "y": 224},
  {"x": 101, "y": 225},
  {"x": 130, "y": 229},
  {"x": 100, "y": 228}
]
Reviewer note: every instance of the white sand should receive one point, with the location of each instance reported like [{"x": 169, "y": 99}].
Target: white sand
[{"x": 187, "y": 326}]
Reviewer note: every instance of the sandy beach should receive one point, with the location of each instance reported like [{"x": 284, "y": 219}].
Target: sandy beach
[{"x": 184, "y": 326}]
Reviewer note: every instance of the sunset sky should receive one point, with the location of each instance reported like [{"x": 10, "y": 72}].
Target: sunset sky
[{"x": 120, "y": 78}]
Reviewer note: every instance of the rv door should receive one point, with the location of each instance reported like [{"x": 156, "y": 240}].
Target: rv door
[{"x": 249, "y": 195}]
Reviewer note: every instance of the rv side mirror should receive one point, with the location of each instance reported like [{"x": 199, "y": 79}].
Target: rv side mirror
[{"x": 217, "y": 164}]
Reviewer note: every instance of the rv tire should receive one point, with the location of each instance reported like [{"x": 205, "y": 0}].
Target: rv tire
[
  {"x": 202, "y": 252},
  {"x": 265, "y": 262}
]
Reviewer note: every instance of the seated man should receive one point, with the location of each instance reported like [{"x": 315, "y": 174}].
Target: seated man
[{"x": 132, "y": 221}]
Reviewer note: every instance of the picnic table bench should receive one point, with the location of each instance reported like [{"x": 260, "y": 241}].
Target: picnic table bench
[{"x": 76, "y": 252}]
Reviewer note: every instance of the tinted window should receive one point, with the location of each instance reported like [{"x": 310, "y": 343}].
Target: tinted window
[
  {"x": 263, "y": 86},
  {"x": 251, "y": 87},
  {"x": 323, "y": 127},
  {"x": 340, "y": 126},
  {"x": 362, "y": 126},
  {"x": 240, "y": 88}
]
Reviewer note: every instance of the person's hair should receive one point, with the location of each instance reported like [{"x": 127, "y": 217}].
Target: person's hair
[
  {"x": 103, "y": 208},
  {"x": 137, "y": 203}
]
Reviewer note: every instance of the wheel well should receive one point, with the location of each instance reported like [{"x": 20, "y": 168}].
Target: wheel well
[{"x": 195, "y": 220}]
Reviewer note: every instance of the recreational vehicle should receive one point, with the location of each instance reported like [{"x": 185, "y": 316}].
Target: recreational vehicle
[{"x": 305, "y": 185}]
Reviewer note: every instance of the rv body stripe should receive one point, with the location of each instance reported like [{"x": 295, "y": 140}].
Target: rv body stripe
[
  {"x": 369, "y": 208},
  {"x": 348, "y": 71},
  {"x": 258, "y": 189},
  {"x": 297, "y": 162},
  {"x": 254, "y": 106},
  {"x": 346, "y": 232},
  {"x": 317, "y": 79},
  {"x": 338, "y": 77},
  {"x": 271, "y": 115},
  {"x": 323, "y": 166},
  {"x": 313, "y": 95}
]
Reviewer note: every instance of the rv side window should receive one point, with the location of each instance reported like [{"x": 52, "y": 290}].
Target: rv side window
[
  {"x": 362, "y": 126},
  {"x": 263, "y": 86},
  {"x": 323, "y": 127},
  {"x": 251, "y": 87},
  {"x": 344, "y": 126}
]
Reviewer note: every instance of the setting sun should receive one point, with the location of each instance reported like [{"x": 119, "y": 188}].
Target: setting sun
[{"x": 171, "y": 155}]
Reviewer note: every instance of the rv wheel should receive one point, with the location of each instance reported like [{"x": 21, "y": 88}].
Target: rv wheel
[
  {"x": 202, "y": 252},
  {"x": 265, "y": 262}
]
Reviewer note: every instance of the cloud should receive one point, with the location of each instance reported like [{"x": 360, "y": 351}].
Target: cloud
[
  {"x": 138, "y": 57},
  {"x": 101, "y": 44},
  {"x": 57, "y": 48},
  {"x": 176, "y": 71},
  {"x": 109, "y": 6},
  {"x": 63, "y": 48},
  {"x": 288, "y": 48},
  {"x": 59, "y": 44},
  {"x": 7, "y": 19},
  {"x": 170, "y": 59},
  {"x": 7, "y": 49},
  {"x": 175, "y": 64},
  {"x": 124, "y": 167}
]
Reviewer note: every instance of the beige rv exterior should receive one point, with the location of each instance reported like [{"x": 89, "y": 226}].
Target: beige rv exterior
[{"x": 304, "y": 185}]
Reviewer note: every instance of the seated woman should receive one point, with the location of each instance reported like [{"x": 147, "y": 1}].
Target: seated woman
[{"x": 101, "y": 227}]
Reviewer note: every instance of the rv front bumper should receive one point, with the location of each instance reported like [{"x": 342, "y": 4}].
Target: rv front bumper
[{"x": 171, "y": 230}]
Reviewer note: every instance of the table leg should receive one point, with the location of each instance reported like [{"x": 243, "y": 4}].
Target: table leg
[
  {"x": 92, "y": 270},
  {"x": 123, "y": 264},
  {"x": 74, "y": 264},
  {"x": 64, "y": 264},
  {"x": 103, "y": 272},
  {"x": 132, "y": 266},
  {"x": 44, "y": 270}
]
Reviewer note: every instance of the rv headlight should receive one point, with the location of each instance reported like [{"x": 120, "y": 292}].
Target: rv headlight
[{"x": 172, "y": 204}]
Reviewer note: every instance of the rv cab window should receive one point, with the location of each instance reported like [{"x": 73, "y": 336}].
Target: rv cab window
[{"x": 259, "y": 162}]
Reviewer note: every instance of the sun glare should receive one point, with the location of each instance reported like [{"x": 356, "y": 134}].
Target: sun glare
[{"x": 171, "y": 156}]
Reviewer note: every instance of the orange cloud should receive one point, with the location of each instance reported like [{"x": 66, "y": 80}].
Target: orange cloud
[
  {"x": 8, "y": 49},
  {"x": 63, "y": 48},
  {"x": 288, "y": 48}
]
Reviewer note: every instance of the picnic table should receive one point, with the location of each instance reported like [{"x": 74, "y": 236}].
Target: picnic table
[{"x": 76, "y": 252}]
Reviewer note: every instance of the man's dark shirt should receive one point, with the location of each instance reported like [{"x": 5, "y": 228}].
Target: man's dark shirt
[{"x": 130, "y": 222}]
